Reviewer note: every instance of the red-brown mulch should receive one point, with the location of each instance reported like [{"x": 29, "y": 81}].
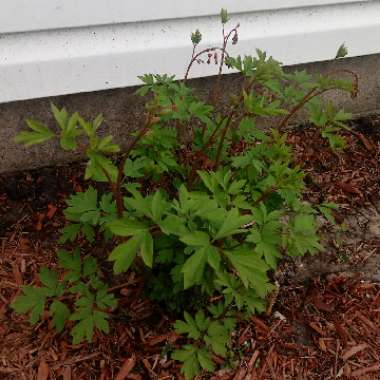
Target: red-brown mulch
[
  {"x": 326, "y": 329},
  {"x": 320, "y": 331},
  {"x": 350, "y": 177}
]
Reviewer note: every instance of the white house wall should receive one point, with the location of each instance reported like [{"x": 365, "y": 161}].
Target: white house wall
[
  {"x": 28, "y": 15},
  {"x": 70, "y": 46}
]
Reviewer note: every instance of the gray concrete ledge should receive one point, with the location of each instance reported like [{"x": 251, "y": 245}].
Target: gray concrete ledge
[{"x": 123, "y": 110}]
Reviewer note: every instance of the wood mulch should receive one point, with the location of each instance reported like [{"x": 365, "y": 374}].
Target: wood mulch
[{"x": 327, "y": 327}]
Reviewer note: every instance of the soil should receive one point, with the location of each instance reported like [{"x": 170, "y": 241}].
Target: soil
[{"x": 323, "y": 324}]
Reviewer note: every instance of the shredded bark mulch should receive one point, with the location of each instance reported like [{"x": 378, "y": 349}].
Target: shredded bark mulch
[
  {"x": 327, "y": 327},
  {"x": 350, "y": 177}
]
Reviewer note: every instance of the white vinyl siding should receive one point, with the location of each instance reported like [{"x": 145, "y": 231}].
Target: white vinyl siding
[{"x": 56, "y": 47}]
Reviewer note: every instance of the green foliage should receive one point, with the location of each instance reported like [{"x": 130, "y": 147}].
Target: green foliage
[
  {"x": 39, "y": 134},
  {"x": 342, "y": 51},
  {"x": 326, "y": 209},
  {"x": 78, "y": 298},
  {"x": 87, "y": 212},
  {"x": 204, "y": 202},
  {"x": 209, "y": 334},
  {"x": 330, "y": 121},
  {"x": 196, "y": 37},
  {"x": 224, "y": 16}
]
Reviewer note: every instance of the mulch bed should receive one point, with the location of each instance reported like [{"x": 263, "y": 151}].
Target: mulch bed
[
  {"x": 325, "y": 328},
  {"x": 348, "y": 178}
]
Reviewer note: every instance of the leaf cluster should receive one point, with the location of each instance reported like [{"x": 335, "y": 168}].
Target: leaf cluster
[{"x": 75, "y": 296}]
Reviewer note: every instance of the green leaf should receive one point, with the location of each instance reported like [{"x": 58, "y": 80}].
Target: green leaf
[
  {"x": 224, "y": 16},
  {"x": 207, "y": 180},
  {"x": 105, "y": 300},
  {"x": 247, "y": 129},
  {"x": 217, "y": 337},
  {"x": 255, "y": 304},
  {"x": 107, "y": 204},
  {"x": 236, "y": 187},
  {"x": 88, "y": 232},
  {"x": 69, "y": 133},
  {"x": 39, "y": 135},
  {"x": 189, "y": 327},
  {"x": 106, "y": 146},
  {"x": 173, "y": 224},
  {"x": 90, "y": 266},
  {"x": 101, "y": 322},
  {"x": 61, "y": 116},
  {"x": 159, "y": 206},
  {"x": 201, "y": 321},
  {"x": 82, "y": 203},
  {"x": 100, "y": 168},
  {"x": 213, "y": 257},
  {"x": 139, "y": 203},
  {"x": 342, "y": 51},
  {"x": 188, "y": 355},
  {"x": 97, "y": 283},
  {"x": 194, "y": 267},
  {"x": 124, "y": 254},
  {"x": 84, "y": 313},
  {"x": 147, "y": 249},
  {"x": 60, "y": 313},
  {"x": 196, "y": 239},
  {"x": 80, "y": 288},
  {"x": 205, "y": 360},
  {"x": 127, "y": 227},
  {"x": 232, "y": 224},
  {"x": 69, "y": 260},
  {"x": 83, "y": 330},
  {"x": 196, "y": 37},
  {"x": 90, "y": 217},
  {"x": 32, "y": 300},
  {"x": 270, "y": 253},
  {"x": 69, "y": 233},
  {"x": 48, "y": 278},
  {"x": 302, "y": 235},
  {"x": 97, "y": 122},
  {"x": 251, "y": 269},
  {"x": 87, "y": 127},
  {"x": 267, "y": 236},
  {"x": 135, "y": 169},
  {"x": 326, "y": 210}
]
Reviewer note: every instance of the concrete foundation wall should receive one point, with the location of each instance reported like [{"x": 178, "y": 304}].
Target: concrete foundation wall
[{"x": 123, "y": 110}]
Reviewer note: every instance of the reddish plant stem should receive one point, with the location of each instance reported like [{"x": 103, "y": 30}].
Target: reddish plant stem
[
  {"x": 264, "y": 196},
  {"x": 313, "y": 93},
  {"x": 216, "y": 91},
  {"x": 213, "y": 134},
  {"x": 355, "y": 90},
  {"x": 297, "y": 107},
  {"x": 233, "y": 111},
  {"x": 195, "y": 57},
  {"x": 222, "y": 138},
  {"x": 111, "y": 183},
  {"x": 203, "y": 131},
  {"x": 118, "y": 195}
]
